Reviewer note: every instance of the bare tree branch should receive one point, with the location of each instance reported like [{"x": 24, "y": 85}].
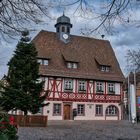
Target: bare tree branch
[
  {"x": 133, "y": 58},
  {"x": 15, "y": 15}
]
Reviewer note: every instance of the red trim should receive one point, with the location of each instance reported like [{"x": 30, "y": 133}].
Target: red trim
[
  {"x": 87, "y": 89},
  {"x": 105, "y": 89},
  {"x": 94, "y": 90},
  {"x": 56, "y": 93},
  {"x": 54, "y": 84},
  {"x": 62, "y": 83}
]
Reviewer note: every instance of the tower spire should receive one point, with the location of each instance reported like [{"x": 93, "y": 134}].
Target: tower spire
[
  {"x": 63, "y": 13},
  {"x": 63, "y": 26}
]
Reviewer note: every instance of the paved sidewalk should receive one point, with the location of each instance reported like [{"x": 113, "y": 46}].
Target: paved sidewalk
[{"x": 82, "y": 130}]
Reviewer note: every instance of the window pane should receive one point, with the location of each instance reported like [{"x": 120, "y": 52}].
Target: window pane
[
  {"x": 43, "y": 61},
  {"x": 63, "y": 29},
  {"x": 57, "y": 109},
  {"x": 39, "y": 61},
  {"x": 105, "y": 68},
  {"x": 40, "y": 110},
  {"x": 74, "y": 65},
  {"x": 82, "y": 85},
  {"x": 68, "y": 84},
  {"x": 81, "y": 110},
  {"x": 69, "y": 65},
  {"x": 99, "y": 109},
  {"x": 111, "y": 87},
  {"x": 46, "y": 62},
  {"x": 99, "y": 87},
  {"x": 111, "y": 110}
]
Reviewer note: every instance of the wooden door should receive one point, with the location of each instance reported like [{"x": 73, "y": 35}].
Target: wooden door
[{"x": 67, "y": 113}]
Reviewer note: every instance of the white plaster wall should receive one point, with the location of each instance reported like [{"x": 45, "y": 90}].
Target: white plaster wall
[
  {"x": 89, "y": 111},
  {"x": 48, "y": 110},
  {"x": 58, "y": 82},
  {"x": 117, "y": 88},
  {"x": 74, "y": 85},
  {"x": 112, "y": 117},
  {"x": 46, "y": 83}
]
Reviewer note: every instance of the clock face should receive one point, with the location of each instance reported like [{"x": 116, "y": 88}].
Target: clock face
[{"x": 65, "y": 36}]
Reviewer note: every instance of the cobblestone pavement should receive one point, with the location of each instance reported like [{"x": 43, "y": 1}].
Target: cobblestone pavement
[{"x": 82, "y": 130}]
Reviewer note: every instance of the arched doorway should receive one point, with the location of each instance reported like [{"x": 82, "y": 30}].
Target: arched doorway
[{"x": 112, "y": 113}]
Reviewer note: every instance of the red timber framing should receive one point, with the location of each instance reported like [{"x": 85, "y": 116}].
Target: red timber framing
[{"x": 56, "y": 92}]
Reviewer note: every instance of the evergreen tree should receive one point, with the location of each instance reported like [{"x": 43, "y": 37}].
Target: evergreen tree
[{"x": 24, "y": 90}]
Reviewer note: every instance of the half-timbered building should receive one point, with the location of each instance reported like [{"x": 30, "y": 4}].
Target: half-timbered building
[{"x": 82, "y": 75}]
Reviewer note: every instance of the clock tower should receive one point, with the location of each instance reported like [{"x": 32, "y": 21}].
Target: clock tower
[{"x": 63, "y": 26}]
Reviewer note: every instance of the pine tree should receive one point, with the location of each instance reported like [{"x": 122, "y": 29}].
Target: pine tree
[{"x": 24, "y": 90}]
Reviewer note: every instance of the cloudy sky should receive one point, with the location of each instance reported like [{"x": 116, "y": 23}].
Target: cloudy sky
[{"x": 126, "y": 37}]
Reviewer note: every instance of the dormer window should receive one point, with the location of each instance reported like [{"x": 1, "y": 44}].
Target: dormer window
[
  {"x": 43, "y": 62},
  {"x": 72, "y": 65},
  {"x": 105, "y": 68}
]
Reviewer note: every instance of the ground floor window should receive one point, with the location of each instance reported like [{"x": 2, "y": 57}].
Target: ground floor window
[
  {"x": 99, "y": 110},
  {"x": 81, "y": 110},
  {"x": 40, "y": 110},
  {"x": 57, "y": 109},
  {"x": 111, "y": 110}
]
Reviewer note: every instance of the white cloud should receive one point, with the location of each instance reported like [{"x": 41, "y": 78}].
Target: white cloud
[{"x": 127, "y": 37}]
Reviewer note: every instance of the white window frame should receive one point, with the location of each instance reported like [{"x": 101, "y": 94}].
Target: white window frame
[
  {"x": 105, "y": 68},
  {"x": 99, "y": 87},
  {"x": 72, "y": 65},
  {"x": 80, "y": 109},
  {"x": 39, "y": 61},
  {"x": 99, "y": 110},
  {"x": 69, "y": 65},
  {"x": 111, "y": 110},
  {"x": 82, "y": 85},
  {"x": 68, "y": 84},
  {"x": 102, "y": 68},
  {"x": 44, "y": 62},
  {"x": 111, "y": 88},
  {"x": 57, "y": 109}
]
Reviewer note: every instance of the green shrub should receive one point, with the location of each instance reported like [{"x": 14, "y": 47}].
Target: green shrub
[{"x": 7, "y": 131}]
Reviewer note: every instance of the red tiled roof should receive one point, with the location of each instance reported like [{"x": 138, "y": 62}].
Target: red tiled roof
[{"x": 86, "y": 51}]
